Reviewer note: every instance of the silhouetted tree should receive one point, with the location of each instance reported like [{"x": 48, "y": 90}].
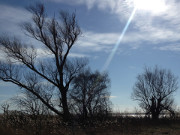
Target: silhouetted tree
[
  {"x": 90, "y": 95},
  {"x": 30, "y": 104},
  {"x": 154, "y": 90},
  {"x": 48, "y": 78},
  {"x": 35, "y": 111}
]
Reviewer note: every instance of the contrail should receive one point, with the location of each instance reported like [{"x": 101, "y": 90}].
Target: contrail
[{"x": 108, "y": 61}]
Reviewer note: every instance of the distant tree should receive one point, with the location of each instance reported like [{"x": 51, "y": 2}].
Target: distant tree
[
  {"x": 30, "y": 104},
  {"x": 5, "y": 107},
  {"x": 154, "y": 91},
  {"x": 47, "y": 78},
  {"x": 35, "y": 111},
  {"x": 90, "y": 94}
]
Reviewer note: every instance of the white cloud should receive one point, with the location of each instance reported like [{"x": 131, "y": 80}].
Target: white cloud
[
  {"x": 11, "y": 18},
  {"x": 77, "y": 55},
  {"x": 147, "y": 27},
  {"x": 169, "y": 48},
  {"x": 12, "y": 14},
  {"x": 110, "y": 97},
  {"x": 113, "y": 96},
  {"x": 159, "y": 28},
  {"x": 95, "y": 42},
  {"x": 2, "y": 55},
  {"x": 6, "y": 84},
  {"x": 43, "y": 53},
  {"x": 5, "y": 96},
  {"x": 114, "y": 6},
  {"x": 152, "y": 36}
]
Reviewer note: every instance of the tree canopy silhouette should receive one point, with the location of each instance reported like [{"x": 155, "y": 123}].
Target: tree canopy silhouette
[
  {"x": 90, "y": 94},
  {"x": 49, "y": 78},
  {"x": 154, "y": 91}
]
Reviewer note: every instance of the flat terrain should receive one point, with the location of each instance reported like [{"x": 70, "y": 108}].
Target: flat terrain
[{"x": 111, "y": 126}]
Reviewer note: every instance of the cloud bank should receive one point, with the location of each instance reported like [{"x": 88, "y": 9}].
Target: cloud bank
[
  {"x": 155, "y": 29},
  {"x": 146, "y": 28}
]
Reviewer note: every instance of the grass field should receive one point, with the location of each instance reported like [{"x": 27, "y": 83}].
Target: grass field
[{"x": 111, "y": 126}]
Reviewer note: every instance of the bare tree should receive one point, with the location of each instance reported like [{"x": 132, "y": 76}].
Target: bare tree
[
  {"x": 5, "y": 108},
  {"x": 30, "y": 104},
  {"x": 154, "y": 91},
  {"x": 90, "y": 94},
  {"x": 24, "y": 68},
  {"x": 35, "y": 111}
]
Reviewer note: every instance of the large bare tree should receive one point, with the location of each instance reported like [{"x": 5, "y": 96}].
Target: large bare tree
[
  {"x": 48, "y": 78},
  {"x": 90, "y": 94},
  {"x": 154, "y": 91}
]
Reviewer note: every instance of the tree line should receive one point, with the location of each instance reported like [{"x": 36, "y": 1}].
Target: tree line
[{"x": 67, "y": 86}]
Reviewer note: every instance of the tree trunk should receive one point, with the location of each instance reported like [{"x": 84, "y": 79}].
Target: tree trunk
[
  {"x": 66, "y": 114},
  {"x": 155, "y": 115},
  {"x": 84, "y": 112}
]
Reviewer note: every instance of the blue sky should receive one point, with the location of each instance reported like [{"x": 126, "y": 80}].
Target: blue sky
[{"x": 152, "y": 38}]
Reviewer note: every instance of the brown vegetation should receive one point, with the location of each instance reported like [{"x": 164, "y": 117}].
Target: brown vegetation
[{"x": 17, "y": 123}]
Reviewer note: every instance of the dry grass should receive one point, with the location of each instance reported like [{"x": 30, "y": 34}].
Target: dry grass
[{"x": 112, "y": 126}]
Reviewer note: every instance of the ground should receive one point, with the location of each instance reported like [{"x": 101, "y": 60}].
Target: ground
[{"x": 111, "y": 126}]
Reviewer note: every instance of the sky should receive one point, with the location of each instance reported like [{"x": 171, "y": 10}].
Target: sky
[{"x": 118, "y": 36}]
